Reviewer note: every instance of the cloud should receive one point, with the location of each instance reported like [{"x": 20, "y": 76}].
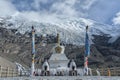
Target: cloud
[
  {"x": 61, "y": 8},
  {"x": 35, "y": 16},
  {"x": 37, "y": 10},
  {"x": 99, "y": 10},
  {"x": 65, "y": 8},
  {"x": 37, "y": 3},
  {"x": 72, "y": 8},
  {"x": 6, "y": 8},
  {"x": 116, "y": 20},
  {"x": 86, "y": 4},
  {"x": 103, "y": 11}
]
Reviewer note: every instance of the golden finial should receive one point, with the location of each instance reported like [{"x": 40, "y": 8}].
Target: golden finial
[
  {"x": 58, "y": 38},
  {"x": 58, "y": 49}
]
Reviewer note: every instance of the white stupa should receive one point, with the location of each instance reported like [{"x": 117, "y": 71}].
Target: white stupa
[
  {"x": 58, "y": 58},
  {"x": 58, "y": 63}
]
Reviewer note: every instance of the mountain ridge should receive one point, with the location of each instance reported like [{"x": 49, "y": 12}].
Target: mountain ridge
[{"x": 71, "y": 30}]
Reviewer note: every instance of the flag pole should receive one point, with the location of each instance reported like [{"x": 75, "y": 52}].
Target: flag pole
[
  {"x": 33, "y": 52},
  {"x": 87, "y": 52}
]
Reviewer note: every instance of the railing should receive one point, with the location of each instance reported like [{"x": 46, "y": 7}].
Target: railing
[
  {"x": 7, "y": 72},
  {"x": 107, "y": 71}
]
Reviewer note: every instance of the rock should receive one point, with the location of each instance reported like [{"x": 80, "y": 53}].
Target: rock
[
  {"x": 115, "y": 58},
  {"x": 101, "y": 40},
  {"x": 116, "y": 44},
  {"x": 112, "y": 58}
]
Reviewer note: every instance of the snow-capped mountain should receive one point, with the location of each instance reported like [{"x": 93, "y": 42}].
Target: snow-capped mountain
[{"x": 71, "y": 30}]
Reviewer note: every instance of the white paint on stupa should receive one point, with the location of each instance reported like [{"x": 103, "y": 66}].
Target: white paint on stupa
[{"x": 58, "y": 60}]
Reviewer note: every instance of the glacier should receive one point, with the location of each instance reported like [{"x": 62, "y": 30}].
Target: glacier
[{"x": 71, "y": 30}]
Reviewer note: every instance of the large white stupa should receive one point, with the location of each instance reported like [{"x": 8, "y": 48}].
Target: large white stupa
[
  {"x": 58, "y": 62},
  {"x": 58, "y": 58}
]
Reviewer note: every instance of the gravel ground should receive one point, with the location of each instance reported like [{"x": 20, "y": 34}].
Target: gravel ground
[{"x": 64, "y": 78}]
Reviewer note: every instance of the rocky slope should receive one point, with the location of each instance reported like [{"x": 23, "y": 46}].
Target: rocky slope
[
  {"x": 17, "y": 48},
  {"x": 6, "y": 63}
]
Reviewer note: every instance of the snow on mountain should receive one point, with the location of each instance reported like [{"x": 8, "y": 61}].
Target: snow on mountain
[{"x": 71, "y": 30}]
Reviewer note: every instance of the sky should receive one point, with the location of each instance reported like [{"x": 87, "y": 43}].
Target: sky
[{"x": 102, "y": 11}]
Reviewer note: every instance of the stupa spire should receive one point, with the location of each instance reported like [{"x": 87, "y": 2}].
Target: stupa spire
[{"x": 58, "y": 38}]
